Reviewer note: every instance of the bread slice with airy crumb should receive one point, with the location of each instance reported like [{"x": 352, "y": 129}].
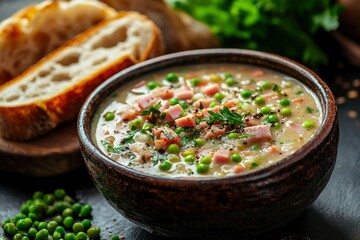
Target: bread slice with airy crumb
[
  {"x": 36, "y": 30},
  {"x": 53, "y": 90}
]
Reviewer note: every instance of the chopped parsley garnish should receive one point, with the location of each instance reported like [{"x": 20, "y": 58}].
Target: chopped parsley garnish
[
  {"x": 120, "y": 149},
  {"x": 225, "y": 116},
  {"x": 299, "y": 92},
  {"x": 153, "y": 112},
  {"x": 130, "y": 137},
  {"x": 309, "y": 109},
  {"x": 276, "y": 89},
  {"x": 157, "y": 158},
  {"x": 108, "y": 146}
]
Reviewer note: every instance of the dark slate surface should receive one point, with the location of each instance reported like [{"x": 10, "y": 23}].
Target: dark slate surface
[{"x": 335, "y": 215}]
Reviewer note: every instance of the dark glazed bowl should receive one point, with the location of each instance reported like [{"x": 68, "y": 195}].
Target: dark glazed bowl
[{"x": 246, "y": 205}]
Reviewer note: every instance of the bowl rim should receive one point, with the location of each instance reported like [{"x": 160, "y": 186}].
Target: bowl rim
[{"x": 84, "y": 122}]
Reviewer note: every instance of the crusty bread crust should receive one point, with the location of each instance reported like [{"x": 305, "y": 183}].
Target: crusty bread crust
[
  {"x": 22, "y": 118},
  {"x": 36, "y": 30}
]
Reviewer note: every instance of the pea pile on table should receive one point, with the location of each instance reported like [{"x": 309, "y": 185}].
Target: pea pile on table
[{"x": 52, "y": 216}]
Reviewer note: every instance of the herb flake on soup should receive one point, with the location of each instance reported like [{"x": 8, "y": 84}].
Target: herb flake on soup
[{"x": 207, "y": 120}]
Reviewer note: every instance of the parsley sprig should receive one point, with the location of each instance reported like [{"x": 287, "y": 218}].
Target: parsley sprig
[
  {"x": 224, "y": 116},
  {"x": 153, "y": 112}
]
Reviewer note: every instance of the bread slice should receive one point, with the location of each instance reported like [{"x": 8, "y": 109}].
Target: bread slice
[
  {"x": 36, "y": 30},
  {"x": 180, "y": 31},
  {"x": 53, "y": 90}
]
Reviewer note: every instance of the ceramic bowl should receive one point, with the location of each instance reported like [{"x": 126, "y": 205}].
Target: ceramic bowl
[{"x": 246, "y": 205}]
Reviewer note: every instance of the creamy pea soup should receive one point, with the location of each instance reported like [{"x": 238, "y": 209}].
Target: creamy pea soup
[{"x": 207, "y": 120}]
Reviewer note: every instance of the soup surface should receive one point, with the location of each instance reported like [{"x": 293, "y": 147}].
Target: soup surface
[{"x": 206, "y": 120}]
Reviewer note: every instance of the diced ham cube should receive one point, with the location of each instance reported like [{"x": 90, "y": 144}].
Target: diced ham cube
[
  {"x": 211, "y": 89},
  {"x": 184, "y": 94},
  {"x": 230, "y": 104},
  {"x": 166, "y": 134},
  {"x": 140, "y": 84},
  {"x": 129, "y": 114},
  {"x": 294, "y": 127},
  {"x": 239, "y": 168},
  {"x": 250, "y": 120},
  {"x": 260, "y": 132},
  {"x": 215, "y": 131},
  {"x": 221, "y": 156},
  {"x": 203, "y": 125},
  {"x": 163, "y": 93},
  {"x": 258, "y": 73},
  {"x": 174, "y": 111},
  {"x": 205, "y": 112},
  {"x": 202, "y": 102},
  {"x": 273, "y": 150},
  {"x": 270, "y": 96},
  {"x": 187, "y": 121},
  {"x": 160, "y": 144},
  {"x": 146, "y": 101}
]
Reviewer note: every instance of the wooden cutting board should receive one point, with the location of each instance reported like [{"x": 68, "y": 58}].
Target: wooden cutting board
[{"x": 52, "y": 154}]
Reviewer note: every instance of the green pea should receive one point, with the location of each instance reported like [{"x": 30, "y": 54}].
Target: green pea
[
  {"x": 38, "y": 195},
  {"x": 114, "y": 238},
  {"x": 86, "y": 223},
  {"x": 152, "y": 85},
  {"x": 24, "y": 208},
  {"x": 284, "y": 102},
  {"x": 6, "y": 220},
  {"x": 260, "y": 101},
  {"x": 67, "y": 212},
  {"x": 148, "y": 126},
  {"x": 174, "y": 101},
  {"x": 76, "y": 207},
  {"x": 17, "y": 236},
  {"x": 165, "y": 166},
  {"x": 68, "y": 199},
  {"x": 219, "y": 96},
  {"x": 230, "y": 82},
  {"x": 272, "y": 119},
  {"x": 42, "y": 234},
  {"x": 195, "y": 82},
  {"x": 179, "y": 130},
  {"x": 236, "y": 158},
  {"x": 277, "y": 125},
  {"x": 19, "y": 216},
  {"x": 32, "y": 232},
  {"x": 61, "y": 230},
  {"x": 286, "y": 112},
  {"x": 24, "y": 224},
  {"x": 70, "y": 236},
  {"x": 246, "y": 94},
  {"x": 190, "y": 158},
  {"x": 136, "y": 124},
  {"x": 52, "y": 226},
  {"x": 42, "y": 225},
  {"x": 265, "y": 110},
  {"x": 32, "y": 216},
  {"x": 68, "y": 222},
  {"x": 206, "y": 160},
  {"x": 183, "y": 104},
  {"x": 172, "y": 77},
  {"x": 93, "y": 232},
  {"x": 56, "y": 235},
  {"x": 85, "y": 211},
  {"x": 109, "y": 116},
  {"x": 50, "y": 211},
  {"x": 173, "y": 149},
  {"x": 308, "y": 124},
  {"x": 11, "y": 229},
  {"x": 59, "y": 219},
  {"x": 187, "y": 152},
  {"x": 61, "y": 206},
  {"x": 256, "y": 147},
  {"x": 227, "y": 75},
  {"x": 81, "y": 236},
  {"x": 232, "y": 135},
  {"x": 25, "y": 238},
  {"x": 199, "y": 142},
  {"x": 202, "y": 168},
  {"x": 213, "y": 104},
  {"x": 78, "y": 227},
  {"x": 36, "y": 224},
  {"x": 266, "y": 85}
]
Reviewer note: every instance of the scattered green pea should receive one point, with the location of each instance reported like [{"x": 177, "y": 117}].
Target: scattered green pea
[
  {"x": 114, "y": 238},
  {"x": 136, "y": 124},
  {"x": 236, "y": 158},
  {"x": 259, "y": 101},
  {"x": 61, "y": 230},
  {"x": 206, "y": 160},
  {"x": 202, "y": 168},
  {"x": 195, "y": 82},
  {"x": 81, "y": 236},
  {"x": 227, "y": 75},
  {"x": 266, "y": 85},
  {"x": 24, "y": 224},
  {"x": 277, "y": 125},
  {"x": 56, "y": 235},
  {"x": 308, "y": 124},
  {"x": 219, "y": 96},
  {"x": 67, "y": 212},
  {"x": 230, "y": 81},
  {"x": 109, "y": 116},
  {"x": 265, "y": 110},
  {"x": 152, "y": 85},
  {"x": 284, "y": 102},
  {"x": 68, "y": 222},
  {"x": 32, "y": 232},
  {"x": 190, "y": 158},
  {"x": 86, "y": 223},
  {"x": 38, "y": 195},
  {"x": 17, "y": 236},
  {"x": 173, "y": 148},
  {"x": 199, "y": 142},
  {"x": 93, "y": 232},
  {"x": 24, "y": 209},
  {"x": 286, "y": 112},
  {"x": 246, "y": 94},
  {"x": 179, "y": 130},
  {"x": 212, "y": 104},
  {"x": 11, "y": 229},
  {"x": 172, "y": 77},
  {"x": 272, "y": 119},
  {"x": 42, "y": 234},
  {"x": 59, "y": 219},
  {"x": 187, "y": 152},
  {"x": 173, "y": 158},
  {"x": 32, "y": 216},
  {"x": 232, "y": 135},
  {"x": 76, "y": 207},
  {"x": 19, "y": 216},
  {"x": 51, "y": 226},
  {"x": 165, "y": 166},
  {"x": 78, "y": 227},
  {"x": 70, "y": 236},
  {"x": 148, "y": 126},
  {"x": 183, "y": 104},
  {"x": 68, "y": 199},
  {"x": 42, "y": 225},
  {"x": 85, "y": 211},
  {"x": 174, "y": 101}
]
